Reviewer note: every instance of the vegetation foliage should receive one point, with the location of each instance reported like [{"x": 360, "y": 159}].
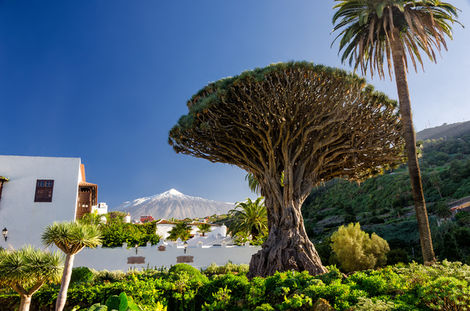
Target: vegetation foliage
[
  {"x": 115, "y": 232},
  {"x": 444, "y": 286},
  {"x": 182, "y": 230},
  {"x": 384, "y": 204},
  {"x": 249, "y": 221},
  {"x": 356, "y": 250},
  {"x": 381, "y": 31},
  {"x": 26, "y": 270}
]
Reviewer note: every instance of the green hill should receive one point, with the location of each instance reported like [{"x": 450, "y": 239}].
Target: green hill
[{"x": 384, "y": 204}]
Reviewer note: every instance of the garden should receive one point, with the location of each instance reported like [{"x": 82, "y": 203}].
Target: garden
[{"x": 444, "y": 286}]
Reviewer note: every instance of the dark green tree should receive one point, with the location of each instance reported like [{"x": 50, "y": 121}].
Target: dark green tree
[
  {"x": 293, "y": 126},
  {"x": 375, "y": 32}
]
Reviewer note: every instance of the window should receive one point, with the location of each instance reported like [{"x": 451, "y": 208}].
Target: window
[{"x": 44, "y": 190}]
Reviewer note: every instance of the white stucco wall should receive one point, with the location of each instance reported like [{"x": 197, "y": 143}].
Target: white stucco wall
[
  {"x": 116, "y": 258},
  {"x": 24, "y": 218}
]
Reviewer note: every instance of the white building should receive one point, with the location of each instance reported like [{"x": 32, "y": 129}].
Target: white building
[
  {"x": 164, "y": 227},
  {"x": 39, "y": 191},
  {"x": 100, "y": 209}
]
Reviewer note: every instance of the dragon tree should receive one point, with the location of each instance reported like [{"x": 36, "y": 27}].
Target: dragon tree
[{"x": 292, "y": 126}]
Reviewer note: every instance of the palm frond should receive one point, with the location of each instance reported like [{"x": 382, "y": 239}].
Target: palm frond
[{"x": 367, "y": 28}]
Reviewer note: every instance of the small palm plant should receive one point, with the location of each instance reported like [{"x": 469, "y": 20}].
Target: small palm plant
[
  {"x": 204, "y": 228},
  {"x": 181, "y": 230},
  {"x": 249, "y": 217},
  {"x": 71, "y": 238},
  {"x": 27, "y": 269}
]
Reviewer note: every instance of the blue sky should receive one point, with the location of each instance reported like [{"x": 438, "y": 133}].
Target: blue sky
[{"x": 106, "y": 80}]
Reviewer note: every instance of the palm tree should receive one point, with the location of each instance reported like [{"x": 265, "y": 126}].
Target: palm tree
[
  {"x": 249, "y": 217},
  {"x": 71, "y": 238},
  {"x": 252, "y": 183},
  {"x": 27, "y": 269},
  {"x": 181, "y": 230},
  {"x": 204, "y": 228},
  {"x": 373, "y": 31}
]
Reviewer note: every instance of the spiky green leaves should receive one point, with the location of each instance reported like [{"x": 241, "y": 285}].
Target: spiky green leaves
[
  {"x": 367, "y": 28},
  {"x": 250, "y": 218},
  {"x": 28, "y": 266},
  {"x": 72, "y": 237}
]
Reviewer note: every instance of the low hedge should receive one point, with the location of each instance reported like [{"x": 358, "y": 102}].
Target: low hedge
[{"x": 444, "y": 286}]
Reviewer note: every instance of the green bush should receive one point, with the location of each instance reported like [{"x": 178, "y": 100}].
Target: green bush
[
  {"x": 190, "y": 270},
  {"x": 356, "y": 250},
  {"x": 116, "y": 233},
  {"x": 82, "y": 275},
  {"x": 109, "y": 276},
  {"x": 229, "y": 267}
]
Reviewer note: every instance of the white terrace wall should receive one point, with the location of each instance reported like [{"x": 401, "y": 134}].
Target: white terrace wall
[
  {"x": 117, "y": 258},
  {"x": 24, "y": 218}
]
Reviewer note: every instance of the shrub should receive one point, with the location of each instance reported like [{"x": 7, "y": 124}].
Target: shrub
[
  {"x": 229, "y": 267},
  {"x": 82, "y": 275},
  {"x": 104, "y": 276},
  {"x": 356, "y": 250},
  {"x": 190, "y": 270}
]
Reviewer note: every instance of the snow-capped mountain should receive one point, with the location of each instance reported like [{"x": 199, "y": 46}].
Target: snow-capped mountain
[{"x": 174, "y": 204}]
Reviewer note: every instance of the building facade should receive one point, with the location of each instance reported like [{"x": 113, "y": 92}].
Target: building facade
[{"x": 38, "y": 191}]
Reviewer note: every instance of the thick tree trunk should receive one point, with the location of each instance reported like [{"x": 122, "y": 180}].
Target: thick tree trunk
[
  {"x": 25, "y": 302},
  {"x": 410, "y": 146},
  {"x": 288, "y": 246},
  {"x": 64, "y": 284}
]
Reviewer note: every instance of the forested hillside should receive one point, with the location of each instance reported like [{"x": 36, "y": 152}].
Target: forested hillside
[{"x": 384, "y": 204}]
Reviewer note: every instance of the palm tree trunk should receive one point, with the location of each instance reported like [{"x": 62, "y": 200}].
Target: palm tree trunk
[
  {"x": 287, "y": 246},
  {"x": 25, "y": 302},
  {"x": 64, "y": 283},
  {"x": 410, "y": 149}
]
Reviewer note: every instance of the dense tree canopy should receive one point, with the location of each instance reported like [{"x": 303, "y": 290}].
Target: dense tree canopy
[{"x": 293, "y": 126}]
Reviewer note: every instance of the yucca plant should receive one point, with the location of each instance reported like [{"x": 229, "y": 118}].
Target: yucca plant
[
  {"x": 27, "y": 269},
  {"x": 378, "y": 32},
  {"x": 71, "y": 238}
]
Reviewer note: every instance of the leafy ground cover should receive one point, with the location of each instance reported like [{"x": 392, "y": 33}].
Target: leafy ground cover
[{"x": 444, "y": 286}]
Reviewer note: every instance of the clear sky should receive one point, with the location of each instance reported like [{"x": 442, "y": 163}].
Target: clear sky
[{"x": 105, "y": 80}]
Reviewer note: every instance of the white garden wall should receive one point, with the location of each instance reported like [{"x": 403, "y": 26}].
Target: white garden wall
[{"x": 116, "y": 258}]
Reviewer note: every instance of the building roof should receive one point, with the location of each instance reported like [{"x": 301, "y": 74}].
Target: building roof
[{"x": 89, "y": 184}]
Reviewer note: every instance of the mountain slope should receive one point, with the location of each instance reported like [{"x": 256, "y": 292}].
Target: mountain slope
[
  {"x": 384, "y": 200},
  {"x": 445, "y": 131},
  {"x": 174, "y": 204}
]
